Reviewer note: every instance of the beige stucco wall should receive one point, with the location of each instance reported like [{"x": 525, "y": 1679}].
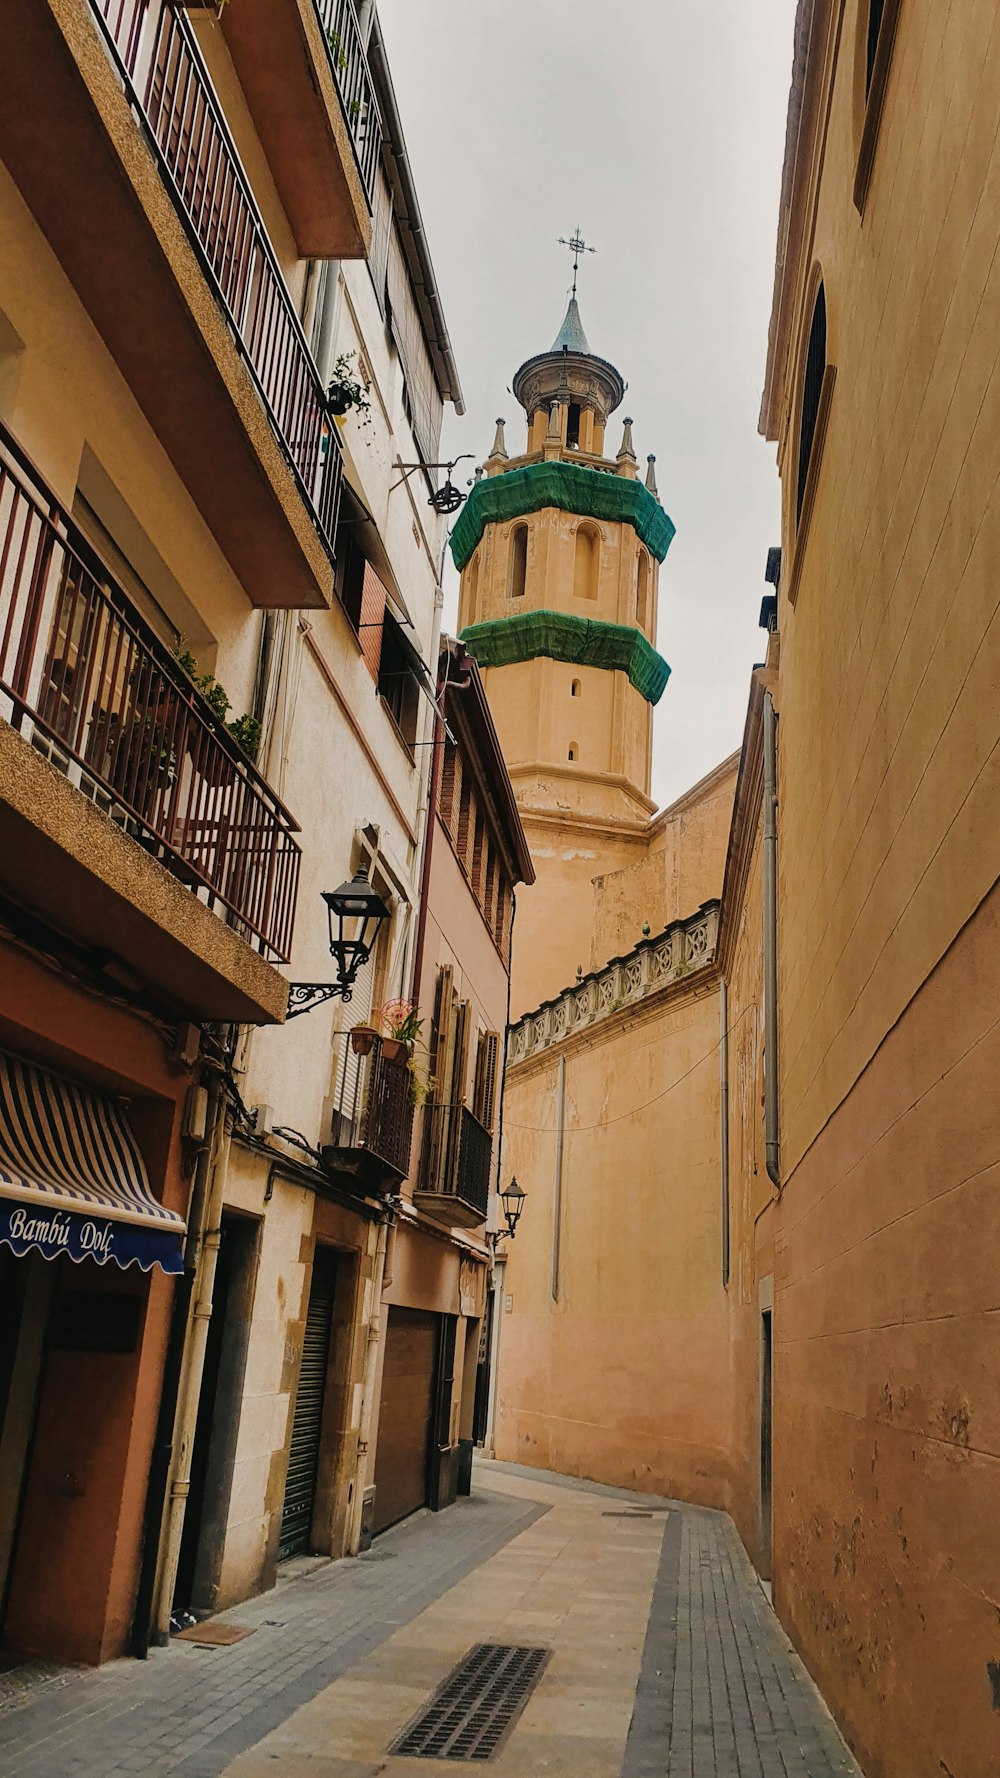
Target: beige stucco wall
[{"x": 625, "y": 1377}]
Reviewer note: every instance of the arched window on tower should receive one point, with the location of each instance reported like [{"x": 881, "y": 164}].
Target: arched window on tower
[
  {"x": 875, "y": 10},
  {"x": 586, "y": 567},
  {"x": 642, "y": 590},
  {"x": 574, "y": 690},
  {"x": 574, "y": 751},
  {"x": 518, "y": 562},
  {"x": 812, "y": 384}
]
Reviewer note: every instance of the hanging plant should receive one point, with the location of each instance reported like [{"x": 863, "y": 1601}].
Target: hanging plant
[
  {"x": 244, "y": 729},
  {"x": 349, "y": 390}
]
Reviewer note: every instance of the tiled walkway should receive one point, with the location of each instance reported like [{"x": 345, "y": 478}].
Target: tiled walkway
[{"x": 667, "y": 1659}]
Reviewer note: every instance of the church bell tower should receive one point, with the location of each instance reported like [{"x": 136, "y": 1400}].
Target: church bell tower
[{"x": 559, "y": 548}]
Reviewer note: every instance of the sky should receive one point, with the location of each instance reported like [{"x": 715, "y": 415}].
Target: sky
[{"x": 658, "y": 127}]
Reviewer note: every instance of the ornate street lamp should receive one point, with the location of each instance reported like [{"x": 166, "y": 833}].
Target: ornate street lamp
[
  {"x": 512, "y": 1200},
  {"x": 355, "y": 912}
]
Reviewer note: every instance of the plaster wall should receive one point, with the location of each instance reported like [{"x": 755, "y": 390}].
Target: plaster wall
[
  {"x": 554, "y": 927},
  {"x": 623, "y": 1376},
  {"x": 681, "y": 867}
]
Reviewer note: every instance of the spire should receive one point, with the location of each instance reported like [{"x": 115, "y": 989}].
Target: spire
[
  {"x": 626, "y": 448},
  {"x": 651, "y": 476},
  {"x": 571, "y": 337},
  {"x": 499, "y": 446}
]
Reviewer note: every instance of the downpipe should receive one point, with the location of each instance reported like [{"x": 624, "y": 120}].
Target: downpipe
[
  {"x": 772, "y": 1143},
  {"x": 724, "y": 1123}
]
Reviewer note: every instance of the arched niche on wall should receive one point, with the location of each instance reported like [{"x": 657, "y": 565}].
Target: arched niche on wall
[
  {"x": 586, "y": 562},
  {"x": 642, "y": 585},
  {"x": 518, "y": 571}
]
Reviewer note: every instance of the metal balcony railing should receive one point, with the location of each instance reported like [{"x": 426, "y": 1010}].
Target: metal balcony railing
[
  {"x": 373, "y": 1115},
  {"x": 458, "y": 1157},
  {"x": 354, "y": 84},
  {"x": 84, "y": 678},
  {"x": 166, "y": 78}
]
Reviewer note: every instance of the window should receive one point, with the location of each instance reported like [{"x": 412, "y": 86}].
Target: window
[
  {"x": 642, "y": 590},
  {"x": 574, "y": 751},
  {"x": 812, "y": 384},
  {"x": 574, "y": 690},
  {"x": 397, "y": 681},
  {"x": 518, "y": 561},
  {"x": 348, "y": 564},
  {"x": 875, "y": 34},
  {"x": 586, "y": 567},
  {"x": 487, "y": 1061},
  {"x": 573, "y": 426}
]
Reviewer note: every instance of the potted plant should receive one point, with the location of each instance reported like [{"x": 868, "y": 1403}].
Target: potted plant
[
  {"x": 245, "y": 729},
  {"x": 401, "y": 1025},
  {"x": 362, "y": 1039},
  {"x": 349, "y": 389}
]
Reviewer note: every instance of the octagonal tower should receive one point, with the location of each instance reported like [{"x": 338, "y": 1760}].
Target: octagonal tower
[{"x": 559, "y": 550}]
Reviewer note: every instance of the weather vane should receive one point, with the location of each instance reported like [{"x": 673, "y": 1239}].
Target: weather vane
[{"x": 576, "y": 245}]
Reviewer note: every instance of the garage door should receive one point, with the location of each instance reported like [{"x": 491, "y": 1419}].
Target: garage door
[
  {"x": 405, "y": 1415},
  {"x": 303, "y": 1455}
]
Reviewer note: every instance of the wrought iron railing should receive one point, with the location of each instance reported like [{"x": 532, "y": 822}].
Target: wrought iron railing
[
  {"x": 166, "y": 78},
  {"x": 354, "y": 83},
  {"x": 457, "y": 1157},
  {"x": 84, "y": 678},
  {"x": 373, "y": 1110}
]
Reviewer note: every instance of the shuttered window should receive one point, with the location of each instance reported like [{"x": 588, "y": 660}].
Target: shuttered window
[
  {"x": 426, "y": 406},
  {"x": 487, "y": 1065}
]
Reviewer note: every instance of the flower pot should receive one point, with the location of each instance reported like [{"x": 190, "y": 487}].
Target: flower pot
[
  {"x": 394, "y": 1050},
  {"x": 362, "y": 1039},
  {"x": 338, "y": 400}
]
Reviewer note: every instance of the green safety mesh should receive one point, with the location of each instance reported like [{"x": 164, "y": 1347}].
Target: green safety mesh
[
  {"x": 573, "y": 487},
  {"x": 523, "y": 637}
]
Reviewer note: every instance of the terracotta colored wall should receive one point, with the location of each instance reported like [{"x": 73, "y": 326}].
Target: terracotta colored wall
[
  {"x": 626, "y": 1377},
  {"x": 888, "y": 1380}
]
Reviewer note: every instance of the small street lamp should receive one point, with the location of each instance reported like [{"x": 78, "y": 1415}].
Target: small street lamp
[
  {"x": 513, "y": 1203},
  {"x": 356, "y": 912}
]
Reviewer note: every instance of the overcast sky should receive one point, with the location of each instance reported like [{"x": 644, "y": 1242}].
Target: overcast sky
[{"x": 658, "y": 126}]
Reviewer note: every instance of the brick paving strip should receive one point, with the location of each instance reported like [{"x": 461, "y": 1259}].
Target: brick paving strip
[{"x": 189, "y": 1711}]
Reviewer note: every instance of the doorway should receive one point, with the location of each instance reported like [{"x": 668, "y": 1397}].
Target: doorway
[
  {"x": 405, "y": 1414},
  {"x": 307, "y": 1423},
  {"x": 766, "y": 1442},
  {"x": 213, "y": 1457}
]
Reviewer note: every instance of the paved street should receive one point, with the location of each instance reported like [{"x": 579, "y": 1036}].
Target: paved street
[{"x": 666, "y": 1657}]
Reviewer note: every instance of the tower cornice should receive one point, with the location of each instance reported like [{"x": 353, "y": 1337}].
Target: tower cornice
[{"x": 572, "y": 487}]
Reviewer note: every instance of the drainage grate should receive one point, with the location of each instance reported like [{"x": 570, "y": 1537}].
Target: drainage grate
[{"x": 471, "y": 1713}]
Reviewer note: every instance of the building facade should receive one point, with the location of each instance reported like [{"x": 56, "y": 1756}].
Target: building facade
[
  {"x": 223, "y": 364},
  {"x": 758, "y": 1141}
]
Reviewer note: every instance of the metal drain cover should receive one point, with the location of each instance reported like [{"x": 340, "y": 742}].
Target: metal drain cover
[{"x": 472, "y": 1711}]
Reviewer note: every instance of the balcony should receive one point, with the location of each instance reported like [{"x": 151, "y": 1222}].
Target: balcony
[
  {"x": 466, "y": 1148},
  {"x": 90, "y": 687},
  {"x": 372, "y": 1122},
  {"x": 302, "y": 66},
  {"x": 130, "y": 170}
]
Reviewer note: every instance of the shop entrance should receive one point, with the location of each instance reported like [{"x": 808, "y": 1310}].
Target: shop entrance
[{"x": 405, "y": 1410}]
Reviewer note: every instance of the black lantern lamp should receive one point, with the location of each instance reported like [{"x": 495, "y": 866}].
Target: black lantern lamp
[
  {"x": 513, "y": 1203},
  {"x": 356, "y": 912}
]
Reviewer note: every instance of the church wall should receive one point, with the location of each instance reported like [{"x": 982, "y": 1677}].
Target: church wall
[
  {"x": 680, "y": 867},
  {"x": 625, "y": 1378},
  {"x": 554, "y": 920}
]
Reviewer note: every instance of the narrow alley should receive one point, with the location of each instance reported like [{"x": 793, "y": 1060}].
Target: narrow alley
[{"x": 665, "y": 1657}]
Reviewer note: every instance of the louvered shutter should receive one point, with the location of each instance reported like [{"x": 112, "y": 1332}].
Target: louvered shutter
[
  {"x": 349, "y": 1081},
  {"x": 373, "y": 597},
  {"x": 438, "y": 1116},
  {"x": 307, "y": 1422},
  {"x": 487, "y": 1059},
  {"x": 456, "y": 1098}
]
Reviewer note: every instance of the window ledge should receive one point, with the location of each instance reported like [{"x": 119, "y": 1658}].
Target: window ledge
[
  {"x": 812, "y": 477},
  {"x": 874, "y": 104}
]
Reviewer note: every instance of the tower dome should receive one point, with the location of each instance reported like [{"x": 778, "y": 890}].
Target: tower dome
[{"x": 570, "y": 375}]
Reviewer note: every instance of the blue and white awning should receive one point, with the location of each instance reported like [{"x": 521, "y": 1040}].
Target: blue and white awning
[{"x": 72, "y": 1179}]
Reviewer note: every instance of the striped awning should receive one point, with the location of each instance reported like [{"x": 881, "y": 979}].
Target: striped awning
[{"x": 72, "y": 1179}]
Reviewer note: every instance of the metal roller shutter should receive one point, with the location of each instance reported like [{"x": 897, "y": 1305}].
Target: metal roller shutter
[
  {"x": 303, "y": 1455},
  {"x": 404, "y": 1421}
]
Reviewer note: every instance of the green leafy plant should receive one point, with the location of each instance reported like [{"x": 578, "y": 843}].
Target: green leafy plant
[
  {"x": 401, "y": 1020},
  {"x": 337, "y": 50},
  {"x": 349, "y": 389},
  {"x": 244, "y": 729}
]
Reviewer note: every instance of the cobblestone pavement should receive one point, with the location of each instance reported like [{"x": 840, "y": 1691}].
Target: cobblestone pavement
[{"x": 667, "y": 1660}]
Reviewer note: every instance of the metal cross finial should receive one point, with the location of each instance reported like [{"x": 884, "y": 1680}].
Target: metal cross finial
[{"x": 576, "y": 245}]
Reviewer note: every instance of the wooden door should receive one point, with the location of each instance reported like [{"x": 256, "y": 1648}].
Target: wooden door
[{"x": 405, "y": 1411}]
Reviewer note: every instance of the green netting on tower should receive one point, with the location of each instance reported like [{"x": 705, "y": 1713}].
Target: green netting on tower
[
  {"x": 572, "y": 487},
  {"x": 505, "y": 640}
]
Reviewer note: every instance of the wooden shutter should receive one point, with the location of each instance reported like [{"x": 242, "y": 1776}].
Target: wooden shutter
[
  {"x": 373, "y": 597},
  {"x": 437, "y": 1117},
  {"x": 456, "y": 1097},
  {"x": 487, "y": 1059}
]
